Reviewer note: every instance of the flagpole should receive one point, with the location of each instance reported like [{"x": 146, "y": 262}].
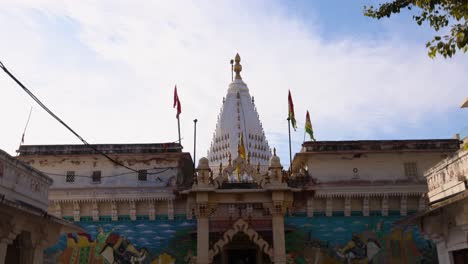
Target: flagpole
[
  {"x": 194, "y": 142},
  {"x": 178, "y": 127},
  {"x": 25, "y": 127},
  {"x": 290, "y": 155},
  {"x": 304, "y": 134}
]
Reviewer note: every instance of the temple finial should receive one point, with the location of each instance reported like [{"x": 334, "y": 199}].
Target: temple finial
[
  {"x": 274, "y": 151},
  {"x": 237, "y": 67}
]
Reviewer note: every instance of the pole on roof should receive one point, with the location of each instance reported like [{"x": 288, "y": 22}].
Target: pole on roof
[{"x": 194, "y": 142}]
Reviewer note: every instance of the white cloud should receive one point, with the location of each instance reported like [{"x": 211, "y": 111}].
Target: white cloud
[{"x": 108, "y": 69}]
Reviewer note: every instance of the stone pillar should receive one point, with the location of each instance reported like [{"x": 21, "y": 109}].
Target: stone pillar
[
  {"x": 38, "y": 254},
  {"x": 310, "y": 207},
  {"x": 403, "y": 205},
  {"x": 151, "y": 211},
  {"x": 4, "y": 242},
  {"x": 329, "y": 206},
  {"x": 365, "y": 206},
  {"x": 279, "y": 246},
  {"x": 114, "y": 212},
  {"x": 385, "y": 205},
  {"x": 58, "y": 209},
  {"x": 76, "y": 212},
  {"x": 95, "y": 211},
  {"x": 422, "y": 203},
  {"x": 188, "y": 209},
  {"x": 203, "y": 233},
  {"x": 132, "y": 210},
  {"x": 347, "y": 206},
  {"x": 170, "y": 209},
  {"x": 443, "y": 254}
]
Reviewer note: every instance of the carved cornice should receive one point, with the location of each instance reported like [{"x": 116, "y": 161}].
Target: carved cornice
[
  {"x": 371, "y": 191},
  {"x": 109, "y": 195}
]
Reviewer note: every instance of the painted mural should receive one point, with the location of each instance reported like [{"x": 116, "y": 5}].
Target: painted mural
[
  {"x": 121, "y": 242},
  {"x": 355, "y": 240}
]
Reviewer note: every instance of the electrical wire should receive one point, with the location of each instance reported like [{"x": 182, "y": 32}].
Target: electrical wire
[{"x": 3, "y": 67}]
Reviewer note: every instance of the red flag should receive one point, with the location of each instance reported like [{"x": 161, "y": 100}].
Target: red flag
[{"x": 177, "y": 102}]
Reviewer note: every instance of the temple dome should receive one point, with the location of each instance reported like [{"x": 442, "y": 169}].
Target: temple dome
[{"x": 238, "y": 116}]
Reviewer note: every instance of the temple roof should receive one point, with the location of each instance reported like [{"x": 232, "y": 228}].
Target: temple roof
[{"x": 238, "y": 116}]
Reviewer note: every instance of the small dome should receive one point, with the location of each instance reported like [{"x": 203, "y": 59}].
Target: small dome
[
  {"x": 203, "y": 164},
  {"x": 275, "y": 160}
]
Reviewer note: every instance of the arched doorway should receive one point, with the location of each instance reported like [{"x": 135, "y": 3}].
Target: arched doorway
[
  {"x": 241, "y": 245},
  {"x": 241, "y": 250}
]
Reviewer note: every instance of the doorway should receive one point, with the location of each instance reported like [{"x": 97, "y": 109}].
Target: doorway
[{"x": 242, "y": 256}]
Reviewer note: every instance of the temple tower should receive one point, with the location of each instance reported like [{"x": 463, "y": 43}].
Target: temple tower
[{"x": 238, "y": 120}]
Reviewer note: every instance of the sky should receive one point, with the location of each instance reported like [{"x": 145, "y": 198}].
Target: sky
[{"x": 108, "y": 69}]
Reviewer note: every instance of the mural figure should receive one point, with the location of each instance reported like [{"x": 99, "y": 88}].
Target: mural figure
[
  {"x": 356, "y": 240},
  {"x": 119, "y": 250},
  {"x": 127, "y": 242}
]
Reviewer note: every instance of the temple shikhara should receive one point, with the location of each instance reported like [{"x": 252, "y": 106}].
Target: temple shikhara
[{"x": 364, "y": 201}]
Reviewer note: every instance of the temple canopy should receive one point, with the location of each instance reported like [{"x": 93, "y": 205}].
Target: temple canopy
[{"x": 239, "y": 119}]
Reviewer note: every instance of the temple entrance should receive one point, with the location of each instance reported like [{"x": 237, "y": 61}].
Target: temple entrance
[
  {"x": 241, "y": 250},
  {"x": 239, "y": 256}
]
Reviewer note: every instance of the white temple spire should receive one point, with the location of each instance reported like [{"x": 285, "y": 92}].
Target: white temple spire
[{"x": 238, "y": 116}]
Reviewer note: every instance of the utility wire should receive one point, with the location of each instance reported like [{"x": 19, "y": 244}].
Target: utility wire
[{"x": 2, "y": 66}]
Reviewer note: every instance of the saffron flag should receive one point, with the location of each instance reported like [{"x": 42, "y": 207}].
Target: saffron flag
[
  {"x": 291, "y": 111},
  {"x": 241, "y": 147},
  {"x": 177, "y": 103},
  {"x": 308, "y": 127}
]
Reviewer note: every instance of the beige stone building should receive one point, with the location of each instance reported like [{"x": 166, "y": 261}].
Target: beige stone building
[
  {"x": 339, "y": 203},
  {"x": 26, "y": 229}
]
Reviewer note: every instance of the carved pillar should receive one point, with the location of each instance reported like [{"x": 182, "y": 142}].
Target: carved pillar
[
  {"x": 329, "y": 206},
  {"x": 39, "y": 240},
  {"x": 76, "y": 212},
  {"x": 422, "y": 203},
  {"x": 384, "y": 205},
  {"x": 278, "y": 233},
  {"x": 365, "y": 206},
  {"x": 232, "y": 210},
  {"x": 442, "y": 252},
  {"x": 403, "y": 205},
  {"x": 347, "y": 206},
  {"x": 132, "y": 210},
  {"x": 188, "y": 209},
  {"x": 202, "y": 234},
  {"x": 9, "y": 230},
  {"x": 57, "y": 209},
  {"x": 4, "y": 242},
  {"x": 95, "y": 211},
  {"x": 114, "y": 212},
  {"x": 170, "y": 209},
  {"x": 310, "y": 207},
  {"x": 249, "y": 210},
  {"x": 151, "y": 210}
]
